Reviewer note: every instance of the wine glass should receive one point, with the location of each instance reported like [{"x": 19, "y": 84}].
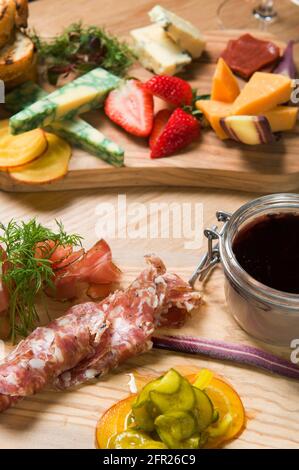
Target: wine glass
[{"x": 280, "y": 18}]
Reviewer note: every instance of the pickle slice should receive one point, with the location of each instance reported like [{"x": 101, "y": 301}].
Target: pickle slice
[
  {"x": 168, "y": 383},
  {"x": 153, "y": 445},
  {"x": 182, "y": 400},
  {"x": 175, "y": 427},
  {"x": 204, "y": 408},
  {"x": 222, "y": 427},
  {"x": 195, "y": 442},
  {"x": 144, "y": 415},
  {"x": 129, "y": 439},
  {"x": 142, "y": 408}
]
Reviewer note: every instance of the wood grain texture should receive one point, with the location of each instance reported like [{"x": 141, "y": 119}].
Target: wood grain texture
[
  {"x": 207, "y": 163},
  {"x": 68, "y": 420}
]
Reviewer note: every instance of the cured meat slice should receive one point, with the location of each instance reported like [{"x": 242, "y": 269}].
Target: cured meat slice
[
  {"x": 94, "y": 338},
  {"x": 75, "y": 274},
  {"x": 133, "y": 316},
  {"x": 248, "y": 54},
  {"x": 49, "y": 351}
]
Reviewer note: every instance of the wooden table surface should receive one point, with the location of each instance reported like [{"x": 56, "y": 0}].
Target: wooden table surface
[{"x": 68, "y": 420}]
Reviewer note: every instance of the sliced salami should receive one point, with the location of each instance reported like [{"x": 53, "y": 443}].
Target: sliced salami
[
  {"x": 133, "y": 316},
  {"x": 94, "y": 338},
  {"x": 49, "y": 351}
]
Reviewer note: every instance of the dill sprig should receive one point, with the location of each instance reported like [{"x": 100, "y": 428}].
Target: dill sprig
[
  {"x": 79, "y": 49},
  {"x": 25, "y": 275}
]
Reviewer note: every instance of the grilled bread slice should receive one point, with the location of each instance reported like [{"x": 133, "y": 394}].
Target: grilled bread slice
[
  {"x": 21, "y": 15},
  {"x": 16, "y": 57},
  {"x": 30, "y": 74},
  {"x": 7, "y": 20}
]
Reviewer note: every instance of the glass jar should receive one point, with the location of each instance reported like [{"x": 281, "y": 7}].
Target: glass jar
[{"x": 267, "y": 314}]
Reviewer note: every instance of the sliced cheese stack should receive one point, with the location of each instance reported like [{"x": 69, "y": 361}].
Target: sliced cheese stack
[
  {"x": 76, "y": 131},
  {"x": 168, "y": 45},
  {"x": 255, "y": 111},
  {"x": 83, "y": 94}
]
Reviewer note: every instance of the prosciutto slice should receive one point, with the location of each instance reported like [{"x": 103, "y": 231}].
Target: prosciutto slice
[
  {"x": 83, "y": 272},
  {"x": 93, "y": 338}
]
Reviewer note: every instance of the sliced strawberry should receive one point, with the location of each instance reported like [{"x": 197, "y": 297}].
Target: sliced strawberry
[
  {"x": 131, "y": 106},
  {"x": 181, "y": 129},
  {"x": 160, "y": 122},
  {"x": 173, "y": 90}
]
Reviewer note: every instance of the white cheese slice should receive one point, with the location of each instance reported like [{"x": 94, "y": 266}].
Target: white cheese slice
[
  {"x": 157, "y": 52},
  {"x": 185, "y": 34}
]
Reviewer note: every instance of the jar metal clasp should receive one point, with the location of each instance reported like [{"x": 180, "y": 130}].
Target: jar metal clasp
[{"x": 212, "y": 256}]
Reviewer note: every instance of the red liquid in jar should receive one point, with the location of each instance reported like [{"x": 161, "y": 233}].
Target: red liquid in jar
[{"x": 268, "y": 250}]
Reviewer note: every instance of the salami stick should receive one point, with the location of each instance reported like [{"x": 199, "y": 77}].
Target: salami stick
[{"x": 94, "y": 338}]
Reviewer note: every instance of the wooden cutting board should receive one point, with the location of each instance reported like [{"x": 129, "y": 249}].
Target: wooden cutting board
[{"x": 207, "y": 163}]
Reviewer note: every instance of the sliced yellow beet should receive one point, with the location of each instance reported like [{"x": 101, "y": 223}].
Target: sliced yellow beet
[
  {"x": 52, "y": 165},
  {"x": 225, "y": 86},
  {"x": 16, "y": 150}
]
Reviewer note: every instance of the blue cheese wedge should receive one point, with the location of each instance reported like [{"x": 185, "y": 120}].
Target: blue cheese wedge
[
  {"x": 157, "y": 52},
  {"x": 81, "y": 95},
  {"x": 76, "y": 131},
  {"x": 182, "y": 32},
  {"x": 83, "y": 135}
]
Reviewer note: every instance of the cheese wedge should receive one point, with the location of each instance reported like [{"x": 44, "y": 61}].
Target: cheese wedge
[
  {"x": 75, "y": 131},
  {"x": 81, "y": 95},
  {"x": 214, "y": 111},
  {"x": 182, "y": 32},
  {"x": 157, "y": 52},
  {"x": 263, "y": 92},
  {"x": 225, "y": 86},
  {"x": 282, "y": 118}
]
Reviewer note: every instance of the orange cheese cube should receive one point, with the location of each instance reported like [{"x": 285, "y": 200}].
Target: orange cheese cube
[
  {"x": 282, "y": 118},
  {"x": 225, "y": 86},
  {"x": 263, "y": 92},
  {"x": 214, "y": 111}
]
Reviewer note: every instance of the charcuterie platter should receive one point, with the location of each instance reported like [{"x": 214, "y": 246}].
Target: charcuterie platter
[
  {"x": 209, "y": 163},
  {"x": 84, "y": 316}
]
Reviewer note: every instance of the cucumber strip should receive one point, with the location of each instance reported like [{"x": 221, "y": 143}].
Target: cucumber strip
[
  {"x": 83, "y": 94},
  {"x": 75, "y": 131}
]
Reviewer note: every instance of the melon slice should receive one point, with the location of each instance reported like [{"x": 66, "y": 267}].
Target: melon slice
[
  {"x": 225, "y": 86},
  {"x": 50, "y": 166},
  {"x": 263, "y": 92},
  {"x": 19, "y": 149},
  {"x": 214, "y": 111}
]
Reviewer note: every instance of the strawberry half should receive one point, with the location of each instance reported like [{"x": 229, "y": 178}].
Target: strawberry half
[
  {"x": 131, "y": 106},
  {"x": 160, "y": 122},
  {"x": 173, "y": 90},
  {"x": 181, "y": 129}
]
